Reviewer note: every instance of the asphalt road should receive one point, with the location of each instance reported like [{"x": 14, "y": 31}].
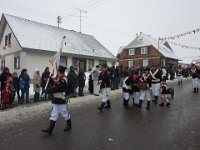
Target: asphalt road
[{"x": 174, "y": 128}]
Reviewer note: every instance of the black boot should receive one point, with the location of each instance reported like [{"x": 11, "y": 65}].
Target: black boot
[
  {"x": 155, "y": 100},
  {"x": 148, "y": 105},
  {"x": 108, "y": 106},
  {"x": 101, "y": 107},
  {"x": 195, "y": 90},
  {"x": 36, "y": 97},
  {"x": 51, "y": 127},
  {"x": 168, "y": 104},
  {"x": 140, "y": 103},
  {"x": 126, "y": 103},
  {"x": 161, "y": 104},
  {"x": 68, "y": 126}
]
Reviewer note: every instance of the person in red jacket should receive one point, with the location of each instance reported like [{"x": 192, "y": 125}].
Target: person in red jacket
[{"x": 5, "y": 96}]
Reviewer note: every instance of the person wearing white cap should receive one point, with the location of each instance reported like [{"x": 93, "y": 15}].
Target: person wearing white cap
[{"x": 36, "y": 84}]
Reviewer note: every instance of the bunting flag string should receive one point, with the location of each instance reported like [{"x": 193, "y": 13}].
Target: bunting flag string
[
  {"x": 181, "y": 35},
  {"x": 183, "y": 46}
]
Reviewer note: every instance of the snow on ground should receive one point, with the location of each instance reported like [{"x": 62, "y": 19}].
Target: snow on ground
[{"x": 27, "y": 112}]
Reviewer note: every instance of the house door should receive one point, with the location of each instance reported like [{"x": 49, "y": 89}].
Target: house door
[{"x": 79, "y": 63}]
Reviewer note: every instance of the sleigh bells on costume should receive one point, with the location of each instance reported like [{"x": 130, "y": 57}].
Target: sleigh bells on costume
[{"x": 58, "y": 89}]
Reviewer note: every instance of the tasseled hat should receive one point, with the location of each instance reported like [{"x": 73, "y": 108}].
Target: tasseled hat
[{"x": 61, "y": 69}]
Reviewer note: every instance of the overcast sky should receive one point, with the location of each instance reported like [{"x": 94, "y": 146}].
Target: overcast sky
[{"x": 115, "y": 22}]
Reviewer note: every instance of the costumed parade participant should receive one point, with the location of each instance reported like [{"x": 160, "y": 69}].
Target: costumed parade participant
[
  {"x": 59, "y": 89},
  {"x": 146, "y": 79},
  {"x": 104, "y": 81},
  {"x": 135, "y": 88},
  {"x": 195, "y": 81},
  {"x": 179, "y": 75},
  {"x": 156, "y": 75},
  {"x": 164, "y": 91},
  {"x": 126, "y": 89}
]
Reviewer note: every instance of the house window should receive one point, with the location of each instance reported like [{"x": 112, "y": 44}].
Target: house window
[
  {"x": 17, "y": 62},
  {"x": 145, "y": 62},
  {"x": 63, "y": 61},
  {"x": 9, "y": 38},
  {"x": 90, "y": 63},
  {"x": 131, "y": 51},
  {"x": 6, "y": 40},
  {"x": 143, "y": 50},
  {"x": 130, "y": 63}
]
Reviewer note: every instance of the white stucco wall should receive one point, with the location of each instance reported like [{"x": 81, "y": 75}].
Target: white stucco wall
[
  {"x": 14, "y": 44},
  {"x": 10, "y": 62},
  {"x": 37, "y": 59},
  {"x": 96, "y": 62}
]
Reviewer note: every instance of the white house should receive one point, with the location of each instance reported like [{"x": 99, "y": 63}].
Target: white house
[{"x": 29, "y": 44}]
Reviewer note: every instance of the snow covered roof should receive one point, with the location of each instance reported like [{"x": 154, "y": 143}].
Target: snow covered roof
[
  {"x": 143, "y": 40},
  {"x": 35, "y": 35}
]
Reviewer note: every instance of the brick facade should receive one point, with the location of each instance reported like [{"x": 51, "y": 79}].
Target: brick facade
[{"x": 153, "y": 56}]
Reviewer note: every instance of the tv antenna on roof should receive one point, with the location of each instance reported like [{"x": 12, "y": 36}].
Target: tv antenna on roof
[{"x": 81, "y": 11}]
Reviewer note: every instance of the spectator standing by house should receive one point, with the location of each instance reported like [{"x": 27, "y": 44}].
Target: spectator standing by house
[
  {"x": 81, "y": 82},
  {"x": 72, "y": 81},
  {"x": 90, "y": 83},
  {"x": 3, "y": 77},
  {"x": 16, "y": 86},
  {"x": 95, "y": 76},
  {"x": 45, "y": 76},
  {"x": 24, "y": 81},
  {"x": 11, "y": 90},
  {"x": 36, "y": 84}
]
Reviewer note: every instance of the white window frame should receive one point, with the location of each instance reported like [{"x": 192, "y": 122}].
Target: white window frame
[
  {"x": 131, "y": 51},
  {"x": 143, "y": 50},
  {"x": 17, "y": 62},
  {"x": 145, "y": 62},
  {"x": 130, "y": 63}
]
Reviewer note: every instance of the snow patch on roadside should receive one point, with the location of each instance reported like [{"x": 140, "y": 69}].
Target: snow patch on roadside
[{"x": 30, "y": 111}]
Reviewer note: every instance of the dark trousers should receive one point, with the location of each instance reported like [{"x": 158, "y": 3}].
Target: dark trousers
[
  {"x": 25, "y": 91},
  {"x": 80, "y": 90},
  {"x": 45, "y": 94},
  {"x": 91, "y": 86}
]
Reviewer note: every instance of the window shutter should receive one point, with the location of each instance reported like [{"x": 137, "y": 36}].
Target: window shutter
[
  {"x": 148, "y": 50},
  {"x": 137, "y": 51}
]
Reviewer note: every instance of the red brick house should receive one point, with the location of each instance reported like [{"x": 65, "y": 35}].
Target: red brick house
[{"x": 145, "y": 50}]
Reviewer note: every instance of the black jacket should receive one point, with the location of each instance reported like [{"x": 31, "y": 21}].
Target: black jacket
[
  {"x": 58, "y": 88},
  {"x": 105, "y": 78}
]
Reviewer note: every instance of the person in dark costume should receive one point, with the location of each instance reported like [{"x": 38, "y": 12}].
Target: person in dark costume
[
  {"x": 59, "y": 89},
  {"x": 104, "y": 81}
]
